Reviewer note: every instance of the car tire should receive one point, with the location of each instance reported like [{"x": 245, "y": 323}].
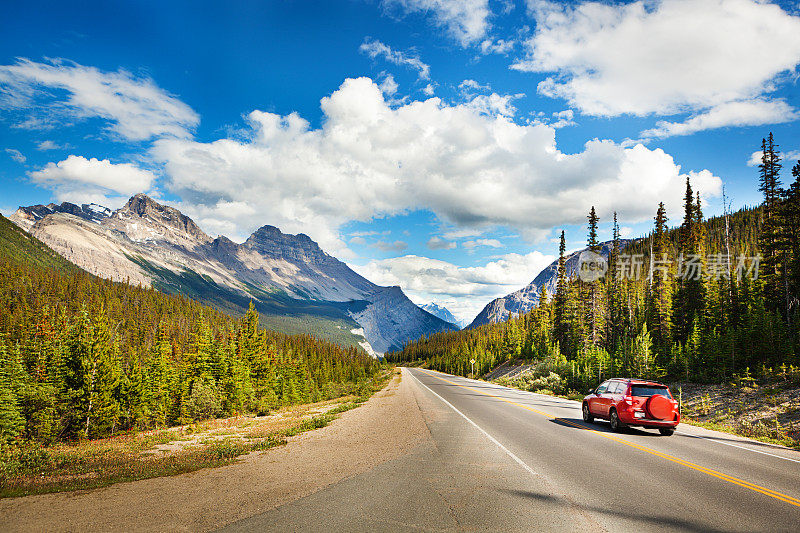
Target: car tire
[
  {"x": 587, "y": 415},
  {"x": 613, "y": 418},
  {"x": 666, "y": 431}
]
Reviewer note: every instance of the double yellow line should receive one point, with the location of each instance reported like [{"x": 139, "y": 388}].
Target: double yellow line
[{"x": 719, "y": 475}]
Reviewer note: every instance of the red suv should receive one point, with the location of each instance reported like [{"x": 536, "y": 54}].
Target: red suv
[{"x": 633, "y": 402}]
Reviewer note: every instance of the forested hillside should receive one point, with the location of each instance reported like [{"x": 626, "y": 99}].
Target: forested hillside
[
  {"x": 703, "y": 301},
  {"x": 85, "y": 357}
]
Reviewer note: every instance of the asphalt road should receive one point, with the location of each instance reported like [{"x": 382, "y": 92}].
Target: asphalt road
[{"x": 505, "y": 460}]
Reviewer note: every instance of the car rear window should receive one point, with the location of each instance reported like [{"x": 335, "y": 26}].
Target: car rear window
[{"x": 649, "y": 390}]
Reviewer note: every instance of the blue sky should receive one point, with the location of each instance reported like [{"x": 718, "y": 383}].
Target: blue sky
[{"x": 433, "y": 144}]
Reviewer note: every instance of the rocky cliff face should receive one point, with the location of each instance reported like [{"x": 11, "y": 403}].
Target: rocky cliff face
[
  {"x": 527, "y": 298},
  {"x": 147, "y": 243}
]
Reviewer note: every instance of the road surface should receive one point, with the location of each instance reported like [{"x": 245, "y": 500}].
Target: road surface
[{"x": 499, "y": 459}]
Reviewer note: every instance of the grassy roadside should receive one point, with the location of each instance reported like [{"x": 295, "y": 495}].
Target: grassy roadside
[
  {"x": 766, "y": 410},
  {"x": 30, "y": 468}
]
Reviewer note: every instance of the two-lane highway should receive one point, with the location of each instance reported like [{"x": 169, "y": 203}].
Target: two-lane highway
[{"x": 501, "y": 460}]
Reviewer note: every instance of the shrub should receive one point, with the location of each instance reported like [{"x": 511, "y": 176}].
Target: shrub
[{"x": 204, "y": 401}]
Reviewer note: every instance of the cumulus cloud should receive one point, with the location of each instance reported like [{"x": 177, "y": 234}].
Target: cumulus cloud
[
  {"x": 136, "y": 108},
  {"x": 472, "y": 168},
  {"x": 16, "y": 155},
  {"x": 437, "y": 243},
  {"x": 466, "y": 289},
  {"x": 664, "y": 57},
  {"x": 81, "y": 179},
  {"x": 467, "y": 21},
  {"x": 374, "y": 48}
]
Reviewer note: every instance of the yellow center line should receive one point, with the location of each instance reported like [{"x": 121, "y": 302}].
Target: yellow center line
[{"x": 736, "y": 481}]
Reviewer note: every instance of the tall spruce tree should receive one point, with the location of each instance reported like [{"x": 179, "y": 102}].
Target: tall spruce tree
[
  {"x": 560, "y": 301},
  {"x": 660, "y": 297},
  {"x": 688, "y": 300},
  {"x": 593, "y": 301},
  {"x": 772, "y": 255}
]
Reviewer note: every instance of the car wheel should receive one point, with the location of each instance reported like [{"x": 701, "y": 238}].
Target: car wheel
[
  {"x": 587, "y": 415},
  {"x": 666, "y": 431},
  {"x": 616, "y": 425}
]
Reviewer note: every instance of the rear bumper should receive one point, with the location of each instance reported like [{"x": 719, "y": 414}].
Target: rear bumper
[{"x": 629, "y": 419}]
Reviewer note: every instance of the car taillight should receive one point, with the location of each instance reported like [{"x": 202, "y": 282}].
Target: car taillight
[{"x": 629, "y": 400}]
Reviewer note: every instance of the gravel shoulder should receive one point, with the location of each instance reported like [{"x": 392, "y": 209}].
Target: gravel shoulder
[{"x": 387, "y": 426}]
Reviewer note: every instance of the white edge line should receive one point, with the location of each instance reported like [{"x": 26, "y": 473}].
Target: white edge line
[
  {"x": 451, "y": 406},
  {"x": 714, "y": 439}
]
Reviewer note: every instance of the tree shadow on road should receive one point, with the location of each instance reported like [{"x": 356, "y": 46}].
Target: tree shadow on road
[{"x": 661, "y": 521}]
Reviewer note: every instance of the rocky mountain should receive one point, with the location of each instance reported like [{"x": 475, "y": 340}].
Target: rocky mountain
[
  {"x": 295, "y": 285},
  {"x": 443, "y": 313},
  {"x": 527, "y": 297}
]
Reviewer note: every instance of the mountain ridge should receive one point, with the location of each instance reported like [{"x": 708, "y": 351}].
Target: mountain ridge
[{"x": 295, "y": 284}]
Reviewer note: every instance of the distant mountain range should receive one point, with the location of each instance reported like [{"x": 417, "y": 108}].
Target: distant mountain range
[
  {"x": 295, "y": 285},
  {"x": 527, "y": 298},
  {"x": 443, "y": 313}
]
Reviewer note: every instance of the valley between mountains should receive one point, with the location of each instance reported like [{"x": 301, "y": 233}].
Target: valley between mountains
[{"x": 295, "y": 285}]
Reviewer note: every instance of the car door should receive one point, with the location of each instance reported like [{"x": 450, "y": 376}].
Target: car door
[
  {"x": 610, "y": 397},
  {"x": 596, "y": 401}
]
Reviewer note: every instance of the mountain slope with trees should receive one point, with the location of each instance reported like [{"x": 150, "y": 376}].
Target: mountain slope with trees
[{"x": 82, "y": 356}]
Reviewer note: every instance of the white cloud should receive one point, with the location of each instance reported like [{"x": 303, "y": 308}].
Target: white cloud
[
  {"x": 474, "y": 85},
  {"x": 498, "y": 46},
  {"x": 92, "y": 178},
  {"x": 467, "y": 21},
  {"x": 437, "y": 243},
  {"x": 136, "y": 108},
  {"x": 754, "y": 112},
  {"x": 491, "y": 243},
  {"x": 374, "y": 48},
  {"x": 472, "y": 169},
  {"x": 467, "y": 289},
  {"x": 664, "y": 57},
  {"x": 396, "y": 246},
  {"x": 388, "y": 85},
  {"x": 428, "y": 90},
  {"x": 16, "y": 155},
  {"x": 51, "y": 145},
  {"x": 755, "y": 157}
]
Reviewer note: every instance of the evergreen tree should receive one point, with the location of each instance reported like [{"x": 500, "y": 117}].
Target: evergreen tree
[
  {"x": 770, "y": 237},
  {"x": 560, "y": 302},
  {"x": 660, "y": 297}
]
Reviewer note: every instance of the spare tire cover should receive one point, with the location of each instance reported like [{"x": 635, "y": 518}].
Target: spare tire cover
[{"x": 659, "y": 407}]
